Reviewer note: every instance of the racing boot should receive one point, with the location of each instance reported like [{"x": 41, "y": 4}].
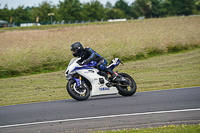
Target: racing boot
[{"x": 116, "y": 77}]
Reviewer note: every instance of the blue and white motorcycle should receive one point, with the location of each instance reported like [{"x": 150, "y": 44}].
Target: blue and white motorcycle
[{"x": 85, "y": 81}]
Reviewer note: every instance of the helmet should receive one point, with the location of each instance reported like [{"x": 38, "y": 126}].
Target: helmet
[{"x": 77, "y": 49}]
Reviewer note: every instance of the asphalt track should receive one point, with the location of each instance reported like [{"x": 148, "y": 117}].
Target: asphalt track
[{"x": 154, "y": 108}]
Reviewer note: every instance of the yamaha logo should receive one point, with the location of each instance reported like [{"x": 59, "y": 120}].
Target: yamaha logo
[{"x": 104, "y": 89}]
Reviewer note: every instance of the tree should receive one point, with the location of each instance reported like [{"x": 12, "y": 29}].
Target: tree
[
  {"x": 5, "y": 13},
  {"x": 167, "y": 6},
  {"x": 145, "y": 7},
  {"x": 183, "y": 7},
  {"x": 115, "y": 14},
  {"x": 43, "y": 10},
  {"x": 21, "y": 15},
  {"x": 122, "y": 5},
  {"x": 136, "y": 10},
  {"x": 73, "y": 10},
  {"x": 94, "y": 10},
  {"x": 70, "y": 10},
  {"x": 157, "y": 9},
  {"x": 197, "y": 3},
  {"x": 108, "y": 5}
]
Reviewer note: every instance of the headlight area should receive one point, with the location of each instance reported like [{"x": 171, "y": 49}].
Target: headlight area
[
  {"x": 67, "y": 72},
  {"x": 70, "y": 75}
]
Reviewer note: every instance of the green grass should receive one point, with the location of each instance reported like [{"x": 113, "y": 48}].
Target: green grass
[
  {"x": 166, "y": 71},
  {"x": 34, "y": 50},
  {"x": 164, "y": 129}
]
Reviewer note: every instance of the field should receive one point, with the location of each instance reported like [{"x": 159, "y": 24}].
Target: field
[{"x": 25, "y": 52}]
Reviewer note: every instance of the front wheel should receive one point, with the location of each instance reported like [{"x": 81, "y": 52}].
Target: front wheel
[
  {"x": 127, "y": 90},
  {"x": 78, "y": 93}
]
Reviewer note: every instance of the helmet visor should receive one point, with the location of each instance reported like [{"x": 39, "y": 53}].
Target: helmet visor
[{"x": 73, "y": 50}]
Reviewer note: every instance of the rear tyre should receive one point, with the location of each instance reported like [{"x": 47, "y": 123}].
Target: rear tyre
[
  {"x": 127, "y": 90},
  {"x": 79, "y": 94}
]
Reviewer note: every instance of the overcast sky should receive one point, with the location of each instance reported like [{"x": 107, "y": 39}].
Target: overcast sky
[{"x": 15, "y": 3}]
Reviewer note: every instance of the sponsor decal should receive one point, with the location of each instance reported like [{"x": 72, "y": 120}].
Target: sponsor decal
[{"x": 104, "y": 89}]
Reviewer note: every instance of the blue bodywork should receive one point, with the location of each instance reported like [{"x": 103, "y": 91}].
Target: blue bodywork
[{"x": 91, "y": 64}]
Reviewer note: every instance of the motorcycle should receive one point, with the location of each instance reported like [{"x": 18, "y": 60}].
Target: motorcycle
[{"x": 85, "y": 81}]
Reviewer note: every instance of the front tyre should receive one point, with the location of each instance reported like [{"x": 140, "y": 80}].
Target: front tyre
[
  {"x": 78, "y": 93},
  {"x": 127, "y": 90}
]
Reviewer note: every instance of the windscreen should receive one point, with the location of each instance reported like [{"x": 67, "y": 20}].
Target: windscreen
[{"x": 72, "y": 61}]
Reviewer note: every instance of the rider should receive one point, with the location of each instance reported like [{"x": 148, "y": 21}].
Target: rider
[{"x": 87, "y": 55}]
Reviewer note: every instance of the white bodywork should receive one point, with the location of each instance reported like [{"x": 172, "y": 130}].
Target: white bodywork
[{"x": 93, "y": 77}]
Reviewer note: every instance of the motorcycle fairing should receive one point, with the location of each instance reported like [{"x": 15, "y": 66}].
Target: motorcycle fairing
[
  {"x": 89, "y": 65},
  {"x": 97, "y": 87},
  {"x": 81, "y": 68}
]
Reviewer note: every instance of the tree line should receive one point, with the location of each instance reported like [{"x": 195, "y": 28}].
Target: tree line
[{"x": 75, "y": 11}]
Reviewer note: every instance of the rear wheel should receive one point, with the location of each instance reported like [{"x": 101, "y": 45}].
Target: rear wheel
[
  {"x": 78, "y": 93},
  {"x": 124, "y": 89}
]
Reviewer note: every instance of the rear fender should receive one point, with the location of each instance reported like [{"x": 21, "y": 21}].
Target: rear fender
[{"x": 114, "y": 63}]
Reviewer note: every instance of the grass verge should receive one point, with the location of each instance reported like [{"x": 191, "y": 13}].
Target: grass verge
[
  {"x": 166, "y": 71},
  {"x": 44, "y": 27},
  {"x": 164, "y": 129}
]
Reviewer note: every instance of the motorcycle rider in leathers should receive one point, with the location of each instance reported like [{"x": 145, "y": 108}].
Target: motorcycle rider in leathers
[{"x": 87, "y": 54}]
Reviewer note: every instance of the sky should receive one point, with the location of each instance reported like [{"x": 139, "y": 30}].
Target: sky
[{"x": 15, "y": 3}]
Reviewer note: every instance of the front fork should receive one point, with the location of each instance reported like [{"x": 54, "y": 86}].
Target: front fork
[{"x": 78, "y": 81}]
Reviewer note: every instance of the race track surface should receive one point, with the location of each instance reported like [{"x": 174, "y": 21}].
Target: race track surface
[{"x": 143, "y": 109}]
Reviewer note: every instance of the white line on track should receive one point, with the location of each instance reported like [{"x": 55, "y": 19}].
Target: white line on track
[{"x": 101, "y": 117}]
